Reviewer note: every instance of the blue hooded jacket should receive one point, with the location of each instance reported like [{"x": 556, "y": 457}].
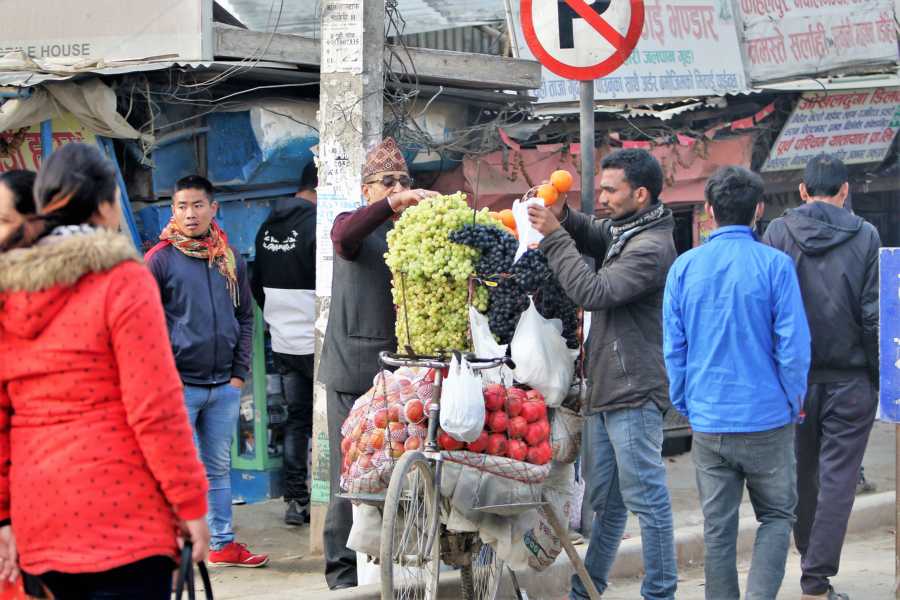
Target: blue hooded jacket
[{"x": 735, "y": 335}]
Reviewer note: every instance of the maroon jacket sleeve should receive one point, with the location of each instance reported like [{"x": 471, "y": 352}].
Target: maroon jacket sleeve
[{"x": 351, "y": 228}]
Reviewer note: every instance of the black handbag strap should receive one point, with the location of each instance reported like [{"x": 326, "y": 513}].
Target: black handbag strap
[{"x": 186, "y": 575}]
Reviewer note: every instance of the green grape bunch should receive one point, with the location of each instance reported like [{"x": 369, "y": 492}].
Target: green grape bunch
[{"x": 431, "y": 274}]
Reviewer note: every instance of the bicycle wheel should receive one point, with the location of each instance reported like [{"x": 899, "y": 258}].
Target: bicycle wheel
[
  {"x": 481, "y": 579},
  {"x": 409, "y": 526}
]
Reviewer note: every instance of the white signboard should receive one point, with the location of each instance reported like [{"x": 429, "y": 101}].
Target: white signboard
[
  {"x": 688, "y": 48},
  {"x": 84, "y": 31},
  {"x": 857, "y": 126},
  {"x": 342, "y": 31},
  {"x": 784, "y": 38}
]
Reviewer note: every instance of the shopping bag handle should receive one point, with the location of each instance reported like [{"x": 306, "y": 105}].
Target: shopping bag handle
[{"x": 186, "y": 575}]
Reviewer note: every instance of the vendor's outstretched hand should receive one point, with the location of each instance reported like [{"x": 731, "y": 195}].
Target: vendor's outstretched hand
[
  {"x": 542, "y": 219},
  {"x": 400, "y": 201}
]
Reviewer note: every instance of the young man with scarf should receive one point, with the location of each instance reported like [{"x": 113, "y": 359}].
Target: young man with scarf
[
  {"x": 628, "y": 396},
  {"x": 360, "y": 324},
  {"x": 206, "y": 296}
]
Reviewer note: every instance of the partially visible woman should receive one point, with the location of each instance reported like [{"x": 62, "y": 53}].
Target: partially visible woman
[
  {"x": 16, "y": 200},
  {"x": 98, "y": 469}
]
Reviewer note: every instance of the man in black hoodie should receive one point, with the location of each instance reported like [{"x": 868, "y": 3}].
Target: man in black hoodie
[
  {"x": 284, "y": 285},
  {"x": 836, "y": 255}
]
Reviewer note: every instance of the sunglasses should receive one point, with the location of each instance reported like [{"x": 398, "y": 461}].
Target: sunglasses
[{"x": 390, "y": 181}]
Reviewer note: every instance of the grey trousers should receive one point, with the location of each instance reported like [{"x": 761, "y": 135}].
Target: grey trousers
[
  {"x": 830, "y": 447},
  {"x": 340, "y": 561}
]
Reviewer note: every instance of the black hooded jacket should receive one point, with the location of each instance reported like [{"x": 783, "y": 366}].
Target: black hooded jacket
[{"x": 836, "y": 255}]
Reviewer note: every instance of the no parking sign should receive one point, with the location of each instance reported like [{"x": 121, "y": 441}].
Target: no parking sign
[{"x": 582, "y": 39}]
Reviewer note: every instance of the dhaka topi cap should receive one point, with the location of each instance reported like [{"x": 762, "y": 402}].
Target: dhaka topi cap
[{"x": 385, "y": 157}]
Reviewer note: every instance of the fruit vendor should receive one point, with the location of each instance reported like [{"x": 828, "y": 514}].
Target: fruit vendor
[
  {"x": 628, "y": 394},
  {"x": 360, "y": 324}
]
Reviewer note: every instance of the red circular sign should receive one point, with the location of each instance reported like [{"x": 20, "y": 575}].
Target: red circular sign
[{"x": 623, "y": 45}]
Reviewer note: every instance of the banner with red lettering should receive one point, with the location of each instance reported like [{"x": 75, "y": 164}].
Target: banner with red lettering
[
  {"x": 22, "y": 149},
  {"x": 786, "y": 38},
  {"x": 857, "y": 126},
  {"x": 688, "y": 48}
]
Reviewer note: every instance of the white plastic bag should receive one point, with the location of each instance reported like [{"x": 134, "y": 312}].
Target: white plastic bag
[
  {"x": 487, "y": 347},
  {"x": 462, "y": 402},
  {"x": 542, "y": 358},
  {"x": 528, "y": 235}
]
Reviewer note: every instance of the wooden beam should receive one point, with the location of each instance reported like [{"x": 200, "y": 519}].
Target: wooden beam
[{"x": 437, "y": 67}]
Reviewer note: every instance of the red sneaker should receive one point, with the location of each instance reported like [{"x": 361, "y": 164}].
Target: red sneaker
[{"x": 236, "y": 555}]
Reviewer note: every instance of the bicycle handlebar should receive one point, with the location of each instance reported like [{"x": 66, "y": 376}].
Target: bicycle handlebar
[{"x": 439, "y": 362}]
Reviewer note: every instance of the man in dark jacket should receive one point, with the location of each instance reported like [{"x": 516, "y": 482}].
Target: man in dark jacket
[
  {"x": 360, "y": 325},
  {"x": 284, "y": 285},
  {"x": 836, "y": 256},
  {"x": 209, "y": 313},
  {"x": 628, "y": 393}
]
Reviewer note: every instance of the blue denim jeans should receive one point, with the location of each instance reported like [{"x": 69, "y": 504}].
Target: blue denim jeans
[
  {"x": 626, "y": 473},
  {"x": 765, "y": 460},
  {"x": 213, "y": 411}
]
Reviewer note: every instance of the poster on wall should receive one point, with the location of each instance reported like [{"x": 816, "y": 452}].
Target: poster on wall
[
  {"x": 786, "y": 38},
  {"x": 889, "y": 315},
  {"x": 688, "y": 48},
  {"x": 857, "y": 126}
]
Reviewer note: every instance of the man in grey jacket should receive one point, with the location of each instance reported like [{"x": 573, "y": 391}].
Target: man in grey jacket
[
  {"x": 628, "y": 392},
  {"x": 836, "y": 255}
]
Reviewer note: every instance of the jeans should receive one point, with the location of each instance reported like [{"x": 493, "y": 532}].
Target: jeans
[
  {"x": 626, "y": 472},
  {"x": 765, "y": 461},
  {"x": 297, "y": 378},
  {"x": 830, "y": 446},
  {"x": 213, "y": 412},
  {"x": 147, "y": 579}
]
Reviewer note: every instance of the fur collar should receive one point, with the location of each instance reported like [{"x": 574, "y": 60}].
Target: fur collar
[{"x": 63, "y": 260}]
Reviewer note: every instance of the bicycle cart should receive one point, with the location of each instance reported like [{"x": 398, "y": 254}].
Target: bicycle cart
[{"x": 414, "y": 537}]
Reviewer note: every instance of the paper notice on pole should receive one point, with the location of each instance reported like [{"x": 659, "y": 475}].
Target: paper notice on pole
[
  {"x": 329, "y": 205},
  {"x": 342, "y": 36}
]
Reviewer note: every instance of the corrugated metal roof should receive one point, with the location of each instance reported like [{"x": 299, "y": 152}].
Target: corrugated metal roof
[{"x": 421, "y": 15}]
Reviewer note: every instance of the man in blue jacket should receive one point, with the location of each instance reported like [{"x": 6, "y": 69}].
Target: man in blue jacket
[
  {"x": 209, "y": 313},
  {"x": 737, "y": 351}
]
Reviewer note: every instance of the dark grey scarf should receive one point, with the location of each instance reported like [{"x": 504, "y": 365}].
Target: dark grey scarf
[{"x": 623, "y": 230}]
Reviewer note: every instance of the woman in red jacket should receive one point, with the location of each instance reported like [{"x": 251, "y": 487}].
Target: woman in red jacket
[{"x": 99, "y": 476}]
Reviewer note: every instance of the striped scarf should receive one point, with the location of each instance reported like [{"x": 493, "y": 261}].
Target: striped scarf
[{"x": 212, "y": 247}]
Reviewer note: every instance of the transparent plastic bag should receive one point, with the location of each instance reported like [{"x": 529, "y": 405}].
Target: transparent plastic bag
[
  {"x": 542, "y": 358},
  {"x": 528, "y": 235},
  {"x": 487, "y": 347},
  {"x": 462, "y": 402}
]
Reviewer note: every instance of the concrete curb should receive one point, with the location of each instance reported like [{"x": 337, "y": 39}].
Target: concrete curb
[{"x": 869, "y": 512}]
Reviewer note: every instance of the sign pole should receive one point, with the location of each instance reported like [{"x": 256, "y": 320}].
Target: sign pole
[{"x": 587, "y": 147}]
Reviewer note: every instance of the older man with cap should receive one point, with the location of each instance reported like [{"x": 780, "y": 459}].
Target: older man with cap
[{"x": 360, "y": 324}]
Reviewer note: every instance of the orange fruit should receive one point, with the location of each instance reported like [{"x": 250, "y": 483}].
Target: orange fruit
[
  {"x": 507, "y": 218},
  {"x": 561, "y": 180},
  {"x": 548, "y": 193}
]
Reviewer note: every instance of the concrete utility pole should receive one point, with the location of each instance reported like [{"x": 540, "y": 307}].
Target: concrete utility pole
[{"x": 351, "y": 118}]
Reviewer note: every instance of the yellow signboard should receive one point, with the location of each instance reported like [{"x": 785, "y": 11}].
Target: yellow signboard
[{"x": 22, "y": 149}]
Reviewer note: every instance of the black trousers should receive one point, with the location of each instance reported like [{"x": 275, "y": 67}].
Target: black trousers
[
  {"x": 147, "y": 579},
  {"x": 830, "y": 444},
  {"x": 297, "y": 378},
  {"x": 340, "y": 561}
]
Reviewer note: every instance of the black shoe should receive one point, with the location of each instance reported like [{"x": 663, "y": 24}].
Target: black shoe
[
  {"x": 342, "y": 586},
  {"x": 296, "y": 513}
]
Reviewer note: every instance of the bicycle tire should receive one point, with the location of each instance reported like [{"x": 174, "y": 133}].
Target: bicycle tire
[{"x": 409, "y": 525}]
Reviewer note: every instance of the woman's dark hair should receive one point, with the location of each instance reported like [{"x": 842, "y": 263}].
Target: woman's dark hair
[
  {"x": 69, "y": 189},
  {"x": 21, "y": 183},
  {"x": 734, "y": 192}
]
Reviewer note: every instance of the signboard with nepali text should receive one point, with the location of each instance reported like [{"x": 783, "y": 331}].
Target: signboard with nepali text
[
  {"x": 22, "y": 149},
  {"x": 786, "y": 38},
  {"x": 856, "y": 126},
  {"x": 687, "y": 48}
]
